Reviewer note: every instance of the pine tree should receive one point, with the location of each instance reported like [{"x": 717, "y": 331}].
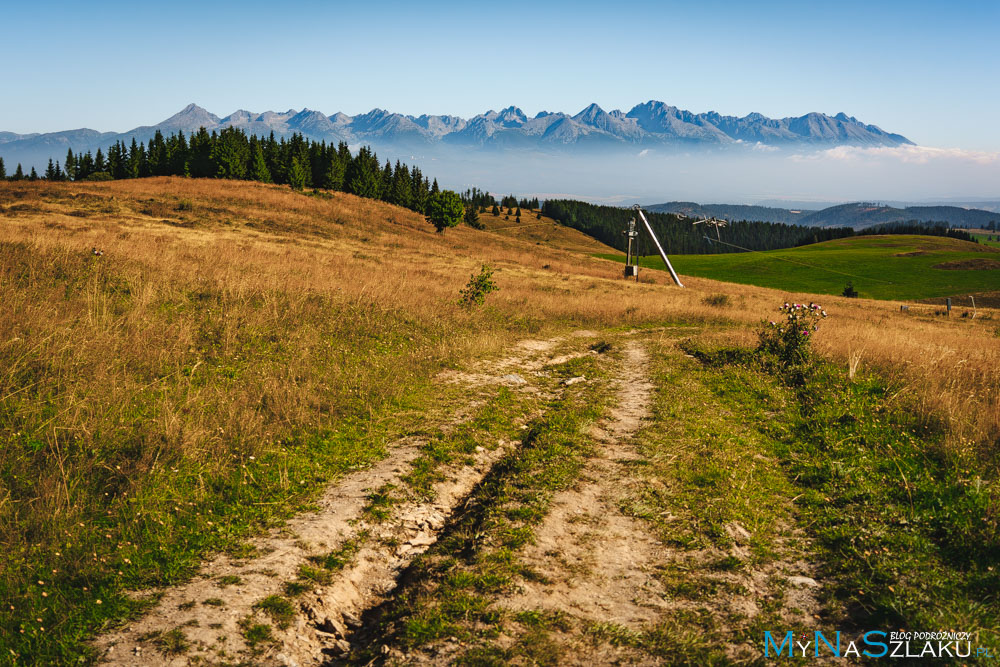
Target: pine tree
[
  {"x": 496, "y": 210},
  {"x": 34, "y": 175},
  {"x": 70, "y": 165},
  {"x": 385, "y": 183},
  {"x": 258, "y": 170},
  {"x": 200, "y": 161},
  {"x": 60, "y": 176},
  {"x": 157, "y": 154},
  {"x": 297, "y": 175},
  {"x": 230, "y": 154},
  {"x": 472, "y": 217},
  {"x": 333, "y": 176},
  {"x": 18, "y": 173},
  {"x": 50, "y": 171},
  {"x": 99, "y": 164},
  {"x": 364, "y": 176},
  {"x": 132, "y": 163},
  {"x": 3, "y": 170}
]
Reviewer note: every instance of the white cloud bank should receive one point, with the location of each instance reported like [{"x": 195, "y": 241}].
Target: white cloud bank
[{"x": 907, "y": 154}]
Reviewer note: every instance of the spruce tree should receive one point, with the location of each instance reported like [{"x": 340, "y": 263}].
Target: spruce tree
[
  {"x": 34, "y": 175},
  {"x": 200, "y": 161},
  {"x": 50, "y": 171},
  {"x": 496, "y": 211},
  {"x": 333, "y": 176},
  {"x": 132, "y": 163},
  {"x": 401, "y": 187},
  {"x": 258, "y": 170},
  {"x": 230, "y": 154},
  {"x": 18, "y": 173},
  {"x": 70, "y": 165},
  {"x": 385, "y": 184},
  {"x": 364, "y": 175},
  {"x": 3, "y": 170},
  {"x": 297, "y": 175},
  {"x": 472, "y": 217}
]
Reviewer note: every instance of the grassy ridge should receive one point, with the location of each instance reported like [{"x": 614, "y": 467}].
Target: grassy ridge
[
  {"x": 880, "y": 267},
  {"x": 906, "y": 529}
]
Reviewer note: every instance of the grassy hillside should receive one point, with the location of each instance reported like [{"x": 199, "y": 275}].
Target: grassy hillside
[
  {"x": 986, "y": 237},
  {"x": 543, "y": 231},
  {"x": 880, "y": 267},
  {"x": 235, "y": 347}
]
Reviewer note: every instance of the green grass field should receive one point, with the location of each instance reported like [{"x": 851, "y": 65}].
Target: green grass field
[
  {"x": 986, "y": 238},
  {"x": 880, "y": 267}
]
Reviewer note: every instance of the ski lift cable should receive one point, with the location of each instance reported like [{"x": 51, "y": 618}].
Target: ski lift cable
[{"x": 792, "y": 261}]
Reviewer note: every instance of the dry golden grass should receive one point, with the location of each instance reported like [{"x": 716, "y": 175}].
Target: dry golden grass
[
  {"x": 248, "y": 237},
  {"x": 226, "y": 320}
]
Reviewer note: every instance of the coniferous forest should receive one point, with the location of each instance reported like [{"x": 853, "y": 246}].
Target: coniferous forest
[
  {"x": 232, "y": 154},
  {"x": 680, "y": 236}
]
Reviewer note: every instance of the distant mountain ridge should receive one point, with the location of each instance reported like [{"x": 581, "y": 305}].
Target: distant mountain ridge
[
  {"x": 858, "y": 215},
  {"x": 651, "y": 124}
]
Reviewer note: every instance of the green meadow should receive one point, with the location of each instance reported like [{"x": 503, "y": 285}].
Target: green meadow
[{"x": 880, "y": 267}]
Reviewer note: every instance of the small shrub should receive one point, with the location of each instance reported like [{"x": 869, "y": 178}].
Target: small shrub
[
  {"x": 475, "y": 291},
  {"x": 849, "y": 291},
  {"x": 185, "y": 205},
  {"x": 717, "y": 300},
  {"x": 787, "y": 339},
  {"x": 100, "y": 176}
]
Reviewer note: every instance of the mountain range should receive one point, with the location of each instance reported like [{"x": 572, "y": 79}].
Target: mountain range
[
  {"x": 651, "y": 124},
  {"x": 858, "y": 215}
]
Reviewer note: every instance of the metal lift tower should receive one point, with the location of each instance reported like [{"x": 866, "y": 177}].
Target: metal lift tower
[{"x": 659, "y": 248}]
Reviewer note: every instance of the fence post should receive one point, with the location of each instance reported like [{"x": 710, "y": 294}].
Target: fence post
[{"x": 948, "y": 303}]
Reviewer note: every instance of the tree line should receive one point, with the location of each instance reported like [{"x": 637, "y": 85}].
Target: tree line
[
  {"x": 607, "y": 224},
  {"x": 232, "y": 154},
  {"x": 677, "y": 235}
]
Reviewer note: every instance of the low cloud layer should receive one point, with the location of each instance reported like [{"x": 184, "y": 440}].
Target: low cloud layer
[
  {"x": 843, "y": 173},
  {"x": 909, "y": 154}
]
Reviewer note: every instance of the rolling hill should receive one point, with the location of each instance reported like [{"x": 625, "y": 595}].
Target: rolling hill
[
  {"x": 881, "y": 267},
  {"x": 858, "y": 215}
]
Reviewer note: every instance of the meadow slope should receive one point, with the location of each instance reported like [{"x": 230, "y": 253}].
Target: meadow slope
[
  {"x": 235, "y": 353},
  {"x": 899, "y": 267}
]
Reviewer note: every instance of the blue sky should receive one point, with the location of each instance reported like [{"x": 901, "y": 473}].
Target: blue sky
[{"x": 926, "y": 70}]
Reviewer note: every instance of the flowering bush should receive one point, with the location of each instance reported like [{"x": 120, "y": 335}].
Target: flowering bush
[{"x": 787, "y": 338}]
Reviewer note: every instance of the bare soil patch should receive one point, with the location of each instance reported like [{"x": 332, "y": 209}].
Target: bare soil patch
[
  {"x": 977, "y": 264},
  {"x": 590, "y": 560},
  {"x": 210, "y": 615}
]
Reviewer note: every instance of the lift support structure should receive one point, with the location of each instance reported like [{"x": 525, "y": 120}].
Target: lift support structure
[{"x": 659, "y": 248}]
